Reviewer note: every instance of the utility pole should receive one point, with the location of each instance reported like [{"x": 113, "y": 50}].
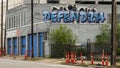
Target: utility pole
[
  {"x": 113, "y": 34},
  {"x": 1, "y": 26},
  {"x": 32, "y": 28},
  {"x": 88, "y": 49},
  {"x": 5, "y": 30}
]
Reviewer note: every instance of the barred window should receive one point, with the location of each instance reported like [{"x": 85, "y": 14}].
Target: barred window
[{"x": 52, "y": 1}]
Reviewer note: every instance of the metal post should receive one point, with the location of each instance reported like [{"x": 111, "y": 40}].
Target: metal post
[
  {"x": 32, "y": 28},
  {"x": 113, "y": 34},
  {"x": 88, "y": 49},
  {"x": 1, "y": 26}
]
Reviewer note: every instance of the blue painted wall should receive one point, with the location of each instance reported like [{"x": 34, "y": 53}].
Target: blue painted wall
[
  {"x": 9, "y": 46},
  {"x": 15, "y": 46},
  {"x": 23, "y": 45}
]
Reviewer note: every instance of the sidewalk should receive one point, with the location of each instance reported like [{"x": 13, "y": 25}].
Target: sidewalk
[
  {"x": 49, "y": 60},
  {"x": 46, "y": 60}
]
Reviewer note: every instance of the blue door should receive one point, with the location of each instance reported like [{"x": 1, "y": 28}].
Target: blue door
[
  {"x": 34, "y": 44},
  {"x": 15, "y": 46},
  {"x": 9, "y": 46},
  {"x": 40, "y": 47},
  {"x": 29, "y": 45},
  {"x": 23, "y": 45}
]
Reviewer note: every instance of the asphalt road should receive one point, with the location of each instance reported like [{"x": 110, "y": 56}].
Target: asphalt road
[{"x": 8, "y": 63}]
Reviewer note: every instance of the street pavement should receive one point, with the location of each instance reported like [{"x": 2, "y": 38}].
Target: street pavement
[{"x": 8, "y": 63}]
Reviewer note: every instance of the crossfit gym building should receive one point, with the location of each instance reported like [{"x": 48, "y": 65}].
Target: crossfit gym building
[{"x": 18, "y": 25}]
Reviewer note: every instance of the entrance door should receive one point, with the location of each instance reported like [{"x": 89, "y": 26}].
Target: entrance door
[
  {"x": 40, "y": 46},
  {"x": 23, "y": 45},
  {"x": 15, "y": 46},
  {"x": 34, "y": 44},
  {"x": 29, "y": 45},
  {"x": 9, "y": 45}
]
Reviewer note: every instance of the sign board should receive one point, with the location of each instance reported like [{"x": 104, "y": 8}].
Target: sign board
[{"x": 72, "y": 16}]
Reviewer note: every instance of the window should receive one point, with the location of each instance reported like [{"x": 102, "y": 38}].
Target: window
[
  {"x": 52, "y": 1},
  {"x": 14, "y": 21},
  {"x": 9, "y": 23},
  {"x": 6, "y": 23},
  {"x": 105, "y": 2},
  {"x": 24, "y": 18},
  {"x": 118, "y": 3},
  {"x": 84, "y": 2},
  {"x": 22, "y": 22},
  {"x": 18, "y": 20}
]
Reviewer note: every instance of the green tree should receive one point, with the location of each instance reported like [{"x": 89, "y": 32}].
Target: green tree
[
  {"x": 61, "y": 38},
  {"x": 118, "y": 34},
  {"x": 103, "y": 40},
  {"x": 118, "y": 38}
]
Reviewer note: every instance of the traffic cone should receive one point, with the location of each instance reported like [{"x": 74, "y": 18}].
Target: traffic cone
[
  {"x": 26, "y": 54},
  {"x": 92, "y": 60},
  {"x": 14, "y": 56},
  {"x": 11, "y": 54},
  {"x": 72, "y": 58},
  {"x": 67, "y": 57},
  {"x": 106, "y": 60},
  {"x": 81, "y": 58},
  {"x": 75, "y": 58},
  {"x": 103, "y": 60}
]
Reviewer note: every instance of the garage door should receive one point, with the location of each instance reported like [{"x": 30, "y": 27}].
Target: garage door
[
  {"x": 40, "y": 47},
  {"x": 30, "y": 44},
  {"x": 23, "y": 45},
  {"x": 15, "y": 46},
  {"x": 9, "y": 46}
]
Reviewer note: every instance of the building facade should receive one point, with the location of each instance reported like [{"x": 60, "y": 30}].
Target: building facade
[{"x": 18, "y": 25}]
